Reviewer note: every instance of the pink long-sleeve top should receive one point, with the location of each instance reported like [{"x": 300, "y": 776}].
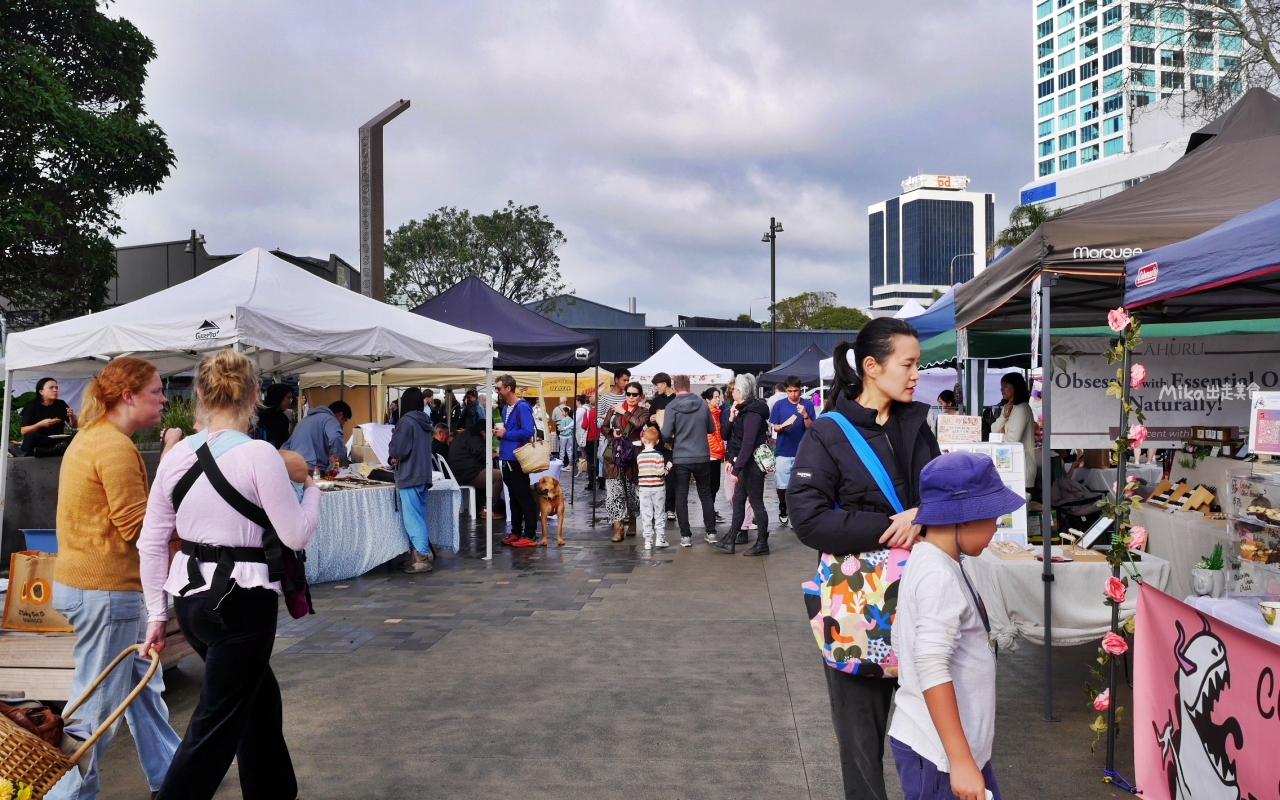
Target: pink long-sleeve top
[{"x": 257, "y": 471}]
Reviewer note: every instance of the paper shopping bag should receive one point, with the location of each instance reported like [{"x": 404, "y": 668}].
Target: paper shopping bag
[{"x": 28, "y": 605}]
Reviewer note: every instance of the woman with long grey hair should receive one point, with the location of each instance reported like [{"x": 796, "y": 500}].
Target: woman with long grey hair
[{"x": 750, "y": 429}]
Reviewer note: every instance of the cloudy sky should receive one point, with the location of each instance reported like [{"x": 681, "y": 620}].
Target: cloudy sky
[{"x": 659, "y": 136}]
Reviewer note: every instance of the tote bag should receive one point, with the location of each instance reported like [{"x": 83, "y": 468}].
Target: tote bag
[{"x": 853, "y": 598}]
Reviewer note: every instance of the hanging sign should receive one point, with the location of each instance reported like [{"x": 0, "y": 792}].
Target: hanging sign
[{"x": 1264, "y": 423}]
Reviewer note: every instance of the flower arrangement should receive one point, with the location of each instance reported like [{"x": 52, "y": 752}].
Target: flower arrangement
[{"x": 14, "y": 791}]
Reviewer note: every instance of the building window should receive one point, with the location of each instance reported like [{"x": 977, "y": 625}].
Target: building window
[
  {"x": 1045, "y": 89},
  {"x": 1089, "y": 48},
  {"x": 893, "y": 241},
  {"x": 1111, "y": 17},
  {"x": 1201, "y": 19},
  {"x": 1089, "y": 90},
  {"x": 1112, "y": 60},
  {"x": 1088, "y": 7},
  {"x": 1171, "y": 38},
  {"x": 1088, "y": 133},
  {"x": 1112, "y": 125},
  {"x": 1066, "y": 38},
  {"x": 1142, "y": 55},
  {"x": 1045, "y": 128},
  {"x": 1229, "y": 42},
  {"x": 1140, "y": 99},
  {"x": 1143, "y": 77},
  {"x": 1113, "y": 81},
  {"x": 1141, "y": 11},
  {"x": 1066, "y": 161},
  {"x": 1089, "y": 112},
  {"x": 1112, "y": 38},
  {"x": 1229, "y": 63},
  {"x": 1172, "y": 58},
  {"x": 1089, "y": 27},
  {"x": 1113, "y": 103},
  {"x": 875, "y": 228},
  {"x": 1067, "y": 141},
  {"x": 1045, "y": 108},
  {"x": 1202, "y": 83},
  {"x": 1202, "y": 61},
  {"x": 1204, "y": 39},
  {"x": 1046, "y": 147},
  {"x": 1066, "y": 59},
  {"x": 1089, "y": 70},
  {"x": 1169, "y": 16},
  {"x": 1088, "y": 154},
  {"x": 1044, "y": 29},
  {"x": 1066, "y": 18},
  {"x": 932, "y": 232},
  {"x": 1067, "y": 120},
  {"x": 1171, "y": 80},
  {"x": 1044, "y": 49},
  {"x": 1066, "y": 79},
  {"x": 1046, "y": 68},
  {"x": 1141, "y": 33},
  {"x": 1113, "y": 146},
  {"x": 1067, "y": 100},
  {"x": 1044, "y": 9},
  {"x": 1045, "y": 168}
]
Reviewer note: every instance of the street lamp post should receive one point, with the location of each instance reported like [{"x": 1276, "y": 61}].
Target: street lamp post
[
  {"x": 193, "y": 247},
  {"x": 771, "y": 236},
  {"x": 751, "y": 308},
  {"x": 953, "y": 265}
]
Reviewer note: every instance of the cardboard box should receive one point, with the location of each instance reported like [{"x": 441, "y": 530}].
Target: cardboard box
[
  {"x": 363, "y": 453},
  {"x": 1097, "y": 459}
]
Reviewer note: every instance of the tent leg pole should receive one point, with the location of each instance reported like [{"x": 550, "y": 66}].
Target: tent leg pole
[
  {"x": 4, "y": 457},
  {"x": 488, "y": 463},
  {"x": 1046, "y": 498},
  {"x": 595, "y": 478}
]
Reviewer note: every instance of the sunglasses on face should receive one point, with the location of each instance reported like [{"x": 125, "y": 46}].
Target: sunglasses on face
[{"x": 633, "y": 394}]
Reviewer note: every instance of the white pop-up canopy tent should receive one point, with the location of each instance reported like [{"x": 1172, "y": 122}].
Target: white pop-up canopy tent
[
  {"x": 284, "y": 319},
  {"x": 676, "y": 357}
]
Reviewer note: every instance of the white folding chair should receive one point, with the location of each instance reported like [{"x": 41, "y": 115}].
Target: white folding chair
[{"x": 468, "y": 491}]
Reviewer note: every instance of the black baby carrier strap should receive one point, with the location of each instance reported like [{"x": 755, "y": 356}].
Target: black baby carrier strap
[{"x": 272, "y": 553}]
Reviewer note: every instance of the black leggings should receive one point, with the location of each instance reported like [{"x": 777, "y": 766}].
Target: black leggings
[{"x": 239, "y": 714}]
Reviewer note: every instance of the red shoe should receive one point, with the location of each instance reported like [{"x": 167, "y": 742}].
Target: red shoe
[
  {"x": 523, "y": 542},
  {"x": 512, "y": 539}
]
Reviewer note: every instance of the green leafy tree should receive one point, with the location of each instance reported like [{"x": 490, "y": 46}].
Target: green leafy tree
[
  {"x": 1023, "y": 221},
  {"x": 74, "y": 140},
  {"x": 838, "y": 318},
  {"x": 513, "y": 250},
  {"x": 745, "y": 318},
  {"x": 817, "y": 311}
]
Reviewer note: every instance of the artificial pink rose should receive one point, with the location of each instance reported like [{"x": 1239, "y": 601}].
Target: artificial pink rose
[
  {"x": 1137, "y": 375},
  {"x": 1114, "y": 644},
  {"x": 1115, "y": 590},
  {"x": 1139, "y": 537},
  {"x": 1137, "y": 435},
  {"x": 1117, "y": 319},
  {"x": 1103, "y": 701}
]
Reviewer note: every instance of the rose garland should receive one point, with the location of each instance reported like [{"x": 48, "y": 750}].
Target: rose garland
[{"x": 1128, "y": 537}]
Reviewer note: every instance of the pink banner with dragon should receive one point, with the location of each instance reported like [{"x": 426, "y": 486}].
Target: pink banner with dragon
[{"x": 1206, "y": 706}]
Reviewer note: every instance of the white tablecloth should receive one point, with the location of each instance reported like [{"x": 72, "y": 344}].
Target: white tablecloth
[
  {"x": 1243, "y": 613},
  {"x": 1014, "y": 595},
  {"x": 361, "y": 528},
  {"x": 1182, "y": 538},
  {"x": 553, "y": 471}
]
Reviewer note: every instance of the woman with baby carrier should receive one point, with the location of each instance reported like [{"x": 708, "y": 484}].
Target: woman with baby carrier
[{"x": 226, "y": 582}]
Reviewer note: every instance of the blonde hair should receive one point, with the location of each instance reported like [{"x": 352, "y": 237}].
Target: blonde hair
[
  {"x": 225, "y": 381},
  {"x": 102, "y": 393}
]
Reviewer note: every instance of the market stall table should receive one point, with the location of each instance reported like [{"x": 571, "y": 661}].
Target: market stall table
[
  {"x": 1182, "y": 538},
  {"x": 1102, "y": 480},
  {"x": 361, "y": 528},
  {"x": 1014, "y": 595}
]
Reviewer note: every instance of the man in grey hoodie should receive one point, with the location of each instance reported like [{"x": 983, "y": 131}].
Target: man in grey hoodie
[
  {"x": 410, "y": 454},
  {"x": 686, "y": 425}
]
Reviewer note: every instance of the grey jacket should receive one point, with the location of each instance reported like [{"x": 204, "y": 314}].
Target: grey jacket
[
  {"x": 411, "y": 448},
  {"x": 318, "y": 436},
  {"x": 686, "y": 424}
]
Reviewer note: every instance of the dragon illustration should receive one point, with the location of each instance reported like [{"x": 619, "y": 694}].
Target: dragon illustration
[{"x": 1199, "y": 766}]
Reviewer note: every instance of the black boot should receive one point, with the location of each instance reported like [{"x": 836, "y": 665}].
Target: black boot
[
  {"x": 761, "y": 547},
  {"x": 741, "y": 538},
  {"x": 724, "y": 545}
]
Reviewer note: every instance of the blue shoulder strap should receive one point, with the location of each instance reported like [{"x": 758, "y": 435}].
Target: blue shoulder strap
[
  {"x": 869, "y": 458},
  {"x": 225, "y": 441}
]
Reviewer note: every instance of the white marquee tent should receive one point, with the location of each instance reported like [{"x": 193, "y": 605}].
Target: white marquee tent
[
  {"x": 284, "y": 319},
  {"x": 676, "y": 357}
]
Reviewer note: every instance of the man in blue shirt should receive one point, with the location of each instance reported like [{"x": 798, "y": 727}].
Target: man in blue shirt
[
  {"x": 319, "y": 435},
  {"x": 516, "y": 431},
  {"x": 790, "y": 418}
]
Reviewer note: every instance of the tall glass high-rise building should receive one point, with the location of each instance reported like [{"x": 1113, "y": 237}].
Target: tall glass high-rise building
[{"x": 1097, "y": 62}]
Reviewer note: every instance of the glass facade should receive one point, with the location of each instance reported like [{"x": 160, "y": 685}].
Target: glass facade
[
  {"x": 876, "y": 248},
  {"x": 933, "y": 232},
  {"x": 893, "y": 243}
]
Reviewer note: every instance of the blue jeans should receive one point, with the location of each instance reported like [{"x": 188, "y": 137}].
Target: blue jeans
[
  {"x": 413, "y": 511},
  {"x": 105, "y": 624},
  {"x": 921, "y": 779}
]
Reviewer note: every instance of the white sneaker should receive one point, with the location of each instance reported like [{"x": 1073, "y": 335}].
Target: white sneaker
[
  {"x": 686, "y": 541},
  {"x": 648, "y": 543},
  {"x": 671, "y": 515},
  {"x": 662, "y": 542},
  {"x": 750, "y": 527},
  {"x": 710, "y": 538}
]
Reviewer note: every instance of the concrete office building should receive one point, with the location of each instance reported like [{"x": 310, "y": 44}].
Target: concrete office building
[
  {"x": 1098, "y": 65},
  {"x": 931, "y": 236}
]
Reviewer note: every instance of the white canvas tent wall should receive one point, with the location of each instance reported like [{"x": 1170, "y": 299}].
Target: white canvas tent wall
[
  {"x": 284, "y": 319},
  {"x": 676, "y": 357}
]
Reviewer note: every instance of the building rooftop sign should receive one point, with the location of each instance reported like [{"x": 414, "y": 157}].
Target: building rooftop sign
[{"x": 954, "y": 183}]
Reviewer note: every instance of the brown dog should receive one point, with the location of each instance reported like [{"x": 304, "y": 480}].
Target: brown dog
[{"x": 550, "y": 501}]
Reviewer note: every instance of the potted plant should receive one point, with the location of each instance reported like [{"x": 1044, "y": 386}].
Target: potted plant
[{"x": 1208, "y": 577}]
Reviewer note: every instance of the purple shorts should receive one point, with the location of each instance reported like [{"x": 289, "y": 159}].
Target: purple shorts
[{"x": 921, "y": 779}]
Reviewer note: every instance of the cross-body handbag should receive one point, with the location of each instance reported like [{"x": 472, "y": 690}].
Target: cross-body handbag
[{"x": 853, "y": 598}]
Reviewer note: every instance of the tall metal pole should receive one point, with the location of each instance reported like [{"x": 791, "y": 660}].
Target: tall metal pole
[
  {"x": 1046, "y": 496},
  {"x": 488, "y": 462},
  {"x": 371, "y": 219},
  {"x": 1121, "y": 480},
  {"x": 773, "y": 293}
]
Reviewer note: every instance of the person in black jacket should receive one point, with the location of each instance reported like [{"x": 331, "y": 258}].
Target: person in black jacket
[
  {"x": 273, "y": 419},
  {"x": 836, "y": 507},
  {"x": 410, "y": 453},
  {"x": 750, "y": 429}
]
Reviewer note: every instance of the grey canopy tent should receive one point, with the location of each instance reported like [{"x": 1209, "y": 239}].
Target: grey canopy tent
[{"x": 804, "y": 365}]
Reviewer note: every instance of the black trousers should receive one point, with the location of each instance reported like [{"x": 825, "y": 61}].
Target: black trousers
[
  {"x": 670, "y": 484},
  {"x": 860, "y": 713},
  {"x": 239, "y": 714},
  {"x": 524, "y": 514},
  {"x": 589, "y": 453},
  {"x": 702, "y": 474},
  {"x": 750, "y": 488},
  {"x": 717, "y": 467}
]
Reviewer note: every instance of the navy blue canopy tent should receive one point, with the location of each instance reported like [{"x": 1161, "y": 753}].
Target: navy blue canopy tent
[
  {"x": 940, "y": 318},
  {"x": 522, "y": 339},
  {"x": 804, "y": 365},
  {"x": 1235, "y": 266}
]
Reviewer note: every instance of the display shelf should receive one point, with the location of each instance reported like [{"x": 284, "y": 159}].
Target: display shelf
[{"x": 1252, "y": 508}]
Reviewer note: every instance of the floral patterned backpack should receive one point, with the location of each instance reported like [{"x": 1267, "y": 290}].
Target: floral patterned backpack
[{"x": 853, "y": 598}]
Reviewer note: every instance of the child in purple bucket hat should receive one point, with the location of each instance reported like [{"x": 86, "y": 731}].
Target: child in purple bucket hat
[{"x": 946, "y": 705}]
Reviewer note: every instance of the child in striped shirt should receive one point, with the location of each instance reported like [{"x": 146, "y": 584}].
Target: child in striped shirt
[{"x": 652, "y": 469}]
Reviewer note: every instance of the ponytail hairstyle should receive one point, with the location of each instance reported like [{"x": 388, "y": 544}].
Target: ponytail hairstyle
[
  {"x": 874, "y": 340},
  {"x": 225, "y": 382},
  {"x": 102, "y": 393}
]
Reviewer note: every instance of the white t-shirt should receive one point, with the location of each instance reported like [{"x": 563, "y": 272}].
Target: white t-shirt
[{"x": 939, "y": 638}]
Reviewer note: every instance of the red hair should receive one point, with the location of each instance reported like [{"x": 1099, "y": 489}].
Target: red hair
[{"x": 124, "y": 374}]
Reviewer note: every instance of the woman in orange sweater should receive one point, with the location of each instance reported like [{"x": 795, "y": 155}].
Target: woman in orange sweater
[
  {"x": 102, "y": 497},
  {"x": 715, "y": 400}
]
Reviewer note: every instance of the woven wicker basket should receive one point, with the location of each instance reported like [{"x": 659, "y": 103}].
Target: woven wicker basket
[
  {"x": 27, "y": 758},
  {"x": 534, "y": 457}
]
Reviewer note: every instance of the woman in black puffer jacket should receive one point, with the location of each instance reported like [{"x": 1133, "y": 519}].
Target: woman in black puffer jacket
[
  {"x": 836, "y": 507},
  {"x": 749, "y": 430}
]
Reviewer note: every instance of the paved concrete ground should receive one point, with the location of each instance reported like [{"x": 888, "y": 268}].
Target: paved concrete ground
[{"x": 593, "y": 671}]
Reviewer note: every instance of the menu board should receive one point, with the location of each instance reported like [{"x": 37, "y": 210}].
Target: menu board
[{"x": 958, "y": 428}]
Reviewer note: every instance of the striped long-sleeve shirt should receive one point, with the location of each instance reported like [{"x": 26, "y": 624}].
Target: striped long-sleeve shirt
[{"x": 652, "y": 469}]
